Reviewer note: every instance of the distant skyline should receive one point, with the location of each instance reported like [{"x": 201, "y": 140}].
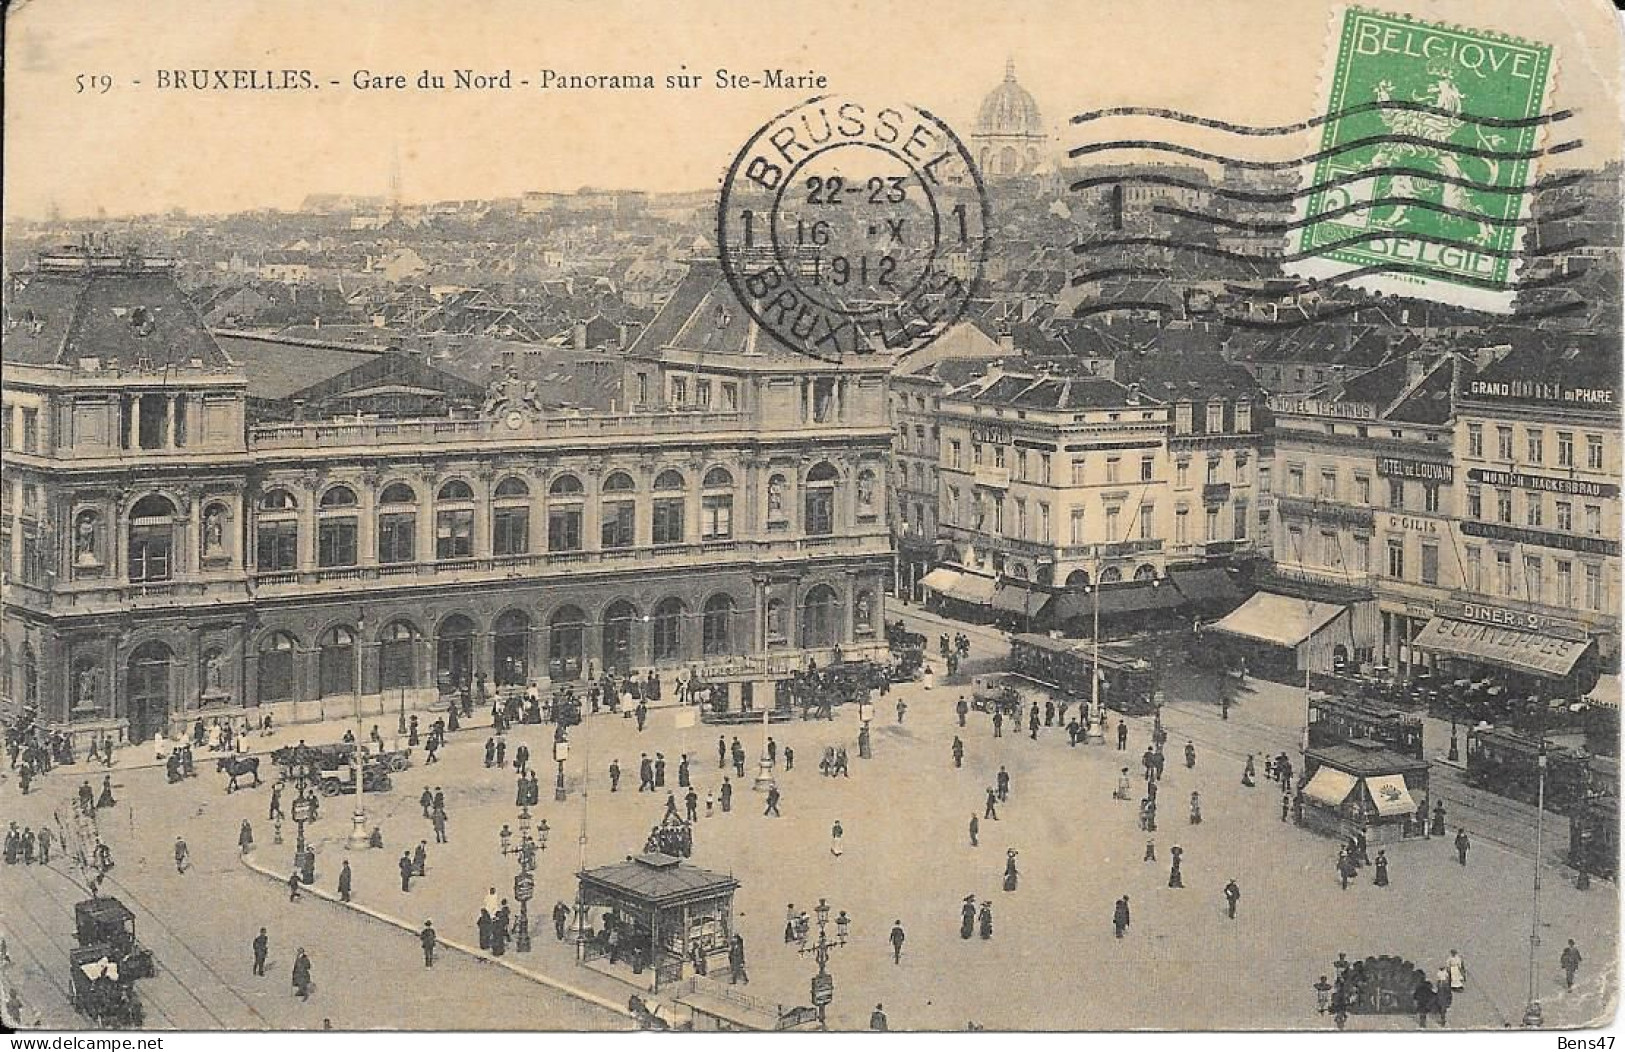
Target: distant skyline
[{"x": 139, "y": 150}]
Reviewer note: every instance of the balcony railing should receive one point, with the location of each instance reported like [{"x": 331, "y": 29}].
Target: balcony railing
[{"x": 441, "y": 431}]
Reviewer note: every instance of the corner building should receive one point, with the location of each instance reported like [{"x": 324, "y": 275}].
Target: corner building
[{"x": 210, "y": 525}]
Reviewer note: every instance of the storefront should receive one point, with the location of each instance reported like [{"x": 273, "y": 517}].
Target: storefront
[
  {"x": 1553, "y": 656},
  {"x": 654, "y": 917},
  {"x": 1281, "y": 637},
  {"x": 1019, "y": 605},
  {"x": 1132, "y": 606},
  {"x": 1360, "y": 786},
  {"x": 959, "y": 592}
]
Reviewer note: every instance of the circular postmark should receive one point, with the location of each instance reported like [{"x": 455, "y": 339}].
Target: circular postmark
[{"x": 845, "y": 228}]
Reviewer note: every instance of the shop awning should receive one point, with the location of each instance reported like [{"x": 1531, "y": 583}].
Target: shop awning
[
  {"x": 1388, "y": 792},
  {"x": 1132, "y": 598},
  {"x": 1330, "y": 786},
  {"x": 1507, "y": 647},
  {"x": 1606, "y": 693},
  {"x": 972, "y": 588},
  {"x": 1283, "y": 620},
  {"x": 1014, "y": 598},
  {"x": 941, "y": 579},
  {"x": 1209, "y": 585}
]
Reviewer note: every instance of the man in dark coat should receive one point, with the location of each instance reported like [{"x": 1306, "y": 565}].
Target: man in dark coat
[
  {"x": 427, "y": 939},
  {"x": 992, "y": 809},
  {"x": 1120, "y": 916},
  {"x": 301, "y": 975},
  {"x": 959, "y": 752},
  {"x": 406, "y": 871},
  {"x": 726, "y": 795},
  {"x": 1438, "y": 819},
  {"x": 561, "y": 917},
  {"x": 1004, "y": 785},
  {"x": 615, "y": 776},
  {"x": 420, "y": 859},
  {"x": 975, "y": 828},
  {"x": 262, "y": 949},
  {"x": 722, "y": 753},
  {"x": 344, "y": 882},
  {"x": 897, "y": 937},
  {"x": 1122, "y": 735},
  {"x": 1232, "y": 895},
  {"x": 772, "y": 802},
  {"x": 1462, "y": 846},
  {"x": 426, "y": 801},
  {"x": 1423, "y": 996},
  {"x": 736, "y": 961},
  {"x": 646, "y": 774}
]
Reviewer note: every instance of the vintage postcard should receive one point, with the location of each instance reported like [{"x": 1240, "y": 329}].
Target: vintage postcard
[{"x": 755, "y": 516}]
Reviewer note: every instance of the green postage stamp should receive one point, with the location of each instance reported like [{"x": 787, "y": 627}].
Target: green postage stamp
[{"x": 1424, "y": 198}]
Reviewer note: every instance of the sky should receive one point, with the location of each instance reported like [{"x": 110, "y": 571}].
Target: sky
[{"x": 139, "y": 149}]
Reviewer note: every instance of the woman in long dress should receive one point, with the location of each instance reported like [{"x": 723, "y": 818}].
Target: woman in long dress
[
  {"x": 967, "y": 917},
  {"x": 1381, "y": 879},
  {"x": 987, "y": 920},
  {"x": 1010, "y": 873},
  {"x": 1196, "y": 809}
]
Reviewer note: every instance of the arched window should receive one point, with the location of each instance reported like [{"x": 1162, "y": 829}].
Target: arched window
[
  {"x": 819, "y": 501},
  {"x": 818, "y": 618},
  {"x": 397, "y": 524},
  {"x": 278, "y": 500},
  {"x": 619, "y": 617},
  {"x": 716, "y": 627},
  {"x": 564, "y": 514},
  {"x": 565, "y": 486},
  {"x": 454, "y": 653},
  {"x": 510, "y": 646},
  {"x": 512, "y": 487},
  {"x": 566, "y": 642},
  {"x": 398, "y": 656},
  {"x": 276, "y": 533},
  {"x": 275, "y": 674},
  {"x": 152, "y": 539},
  {"x": 668, "y": 629},
  {"x": 668, "y": 510},
  {"x": 1078, "y": 579},
  {"x": 454, "y": 521},
  {"x": 398, "y": 493},
  {"x": 717, "y": 506},
  {"x": 1111, "y": 575},
  {"x": 510, "y": 518},
  {"x": 337, "y": 660},
  {"x": 1146, "y": 572},
  {"x": 337, "y": 529},
  {"x": 619, "y": 512}
]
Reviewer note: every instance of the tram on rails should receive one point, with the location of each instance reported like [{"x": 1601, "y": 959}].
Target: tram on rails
[
  {"x": 1339, "y": 719},
  {"x": 1508, "y": 763},
  {"x": 1064, "y": 667}
]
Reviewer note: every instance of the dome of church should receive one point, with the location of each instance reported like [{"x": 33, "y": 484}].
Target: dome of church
[{"x": 1009, "y": 110}]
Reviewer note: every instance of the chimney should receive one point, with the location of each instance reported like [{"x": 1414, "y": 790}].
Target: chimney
[
  {"x": 1416, "y": 367},
  {"x": 1007, "y": 341},
  {"x": 1134, "y": 393},
  {"x": 581, "y": 336},
  {"x": 1334, "y": 390},
  {"x": 318, "y": 321}
]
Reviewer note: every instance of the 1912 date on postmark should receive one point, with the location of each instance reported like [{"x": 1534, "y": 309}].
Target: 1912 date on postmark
[
  {"x": 1435, "y": 128},
  {"x": 846, "y": 228}
]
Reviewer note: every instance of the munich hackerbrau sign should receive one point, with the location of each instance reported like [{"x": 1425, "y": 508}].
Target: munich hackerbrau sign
[{"x": 1546, "y": 483}]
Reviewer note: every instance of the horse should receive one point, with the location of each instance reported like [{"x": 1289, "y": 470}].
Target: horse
[{"x": 237, "y": 766}]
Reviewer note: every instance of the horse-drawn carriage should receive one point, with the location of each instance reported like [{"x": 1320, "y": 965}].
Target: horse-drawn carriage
[
  {"x": 328, "y": 766},
  {"x": 907, "y": 652},
  {"x": 107, "y": 961}
]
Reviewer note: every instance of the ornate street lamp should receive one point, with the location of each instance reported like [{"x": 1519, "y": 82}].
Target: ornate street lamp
[
  {"x": 823, "y": 984},
  {"x": 561, "y": 751}
]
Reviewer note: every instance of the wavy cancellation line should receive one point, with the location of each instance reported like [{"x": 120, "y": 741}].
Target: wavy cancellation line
[
  {"x": 1438, "y": 145},
  {"x": 1310, "y": 285},
  {"x": 1330, "y": 246},
  {"x": 1348, "y": 111},
  {"x": 1556, "y": 182},
  {"x": 1315, "y": 284},
  {"x": 1326, "y": 315},
  {"x": 1267, "y": 227}
]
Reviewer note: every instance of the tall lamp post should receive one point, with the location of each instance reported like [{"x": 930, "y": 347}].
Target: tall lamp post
[
  {"x": 358, "y": 826},
  {"x": 823, "y": 984},
  {"x": 561, "y": 751},
  {"x": 1532, "y": 1012}
]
